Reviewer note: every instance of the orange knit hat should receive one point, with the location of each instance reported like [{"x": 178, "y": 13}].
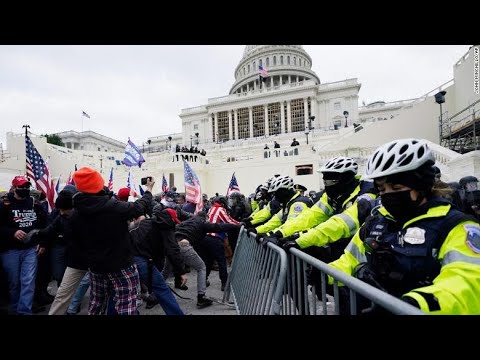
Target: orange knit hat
[{"x": 88, "y": 180}]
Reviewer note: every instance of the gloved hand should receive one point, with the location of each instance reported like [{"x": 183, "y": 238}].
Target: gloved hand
[
  {"x": 259, "y": 237},
  {"x": 247, "y": 222},
  {"x": 251, "y": 230},
  {"x": 268, "y": 239},
  {"x": 288, "y": 244},
  {"x": 276, "y": 234}
]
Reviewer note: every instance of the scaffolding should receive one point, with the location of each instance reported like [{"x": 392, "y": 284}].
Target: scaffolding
[{"x": 461, "y": 131}]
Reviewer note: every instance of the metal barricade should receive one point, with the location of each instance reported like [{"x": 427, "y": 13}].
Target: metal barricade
[
  {"x": 257, "y": 277},
  {"x": 298, "y": 300}
]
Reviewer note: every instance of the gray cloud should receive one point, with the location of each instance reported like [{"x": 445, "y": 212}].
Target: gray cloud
[{"x": 138, "y": 91}]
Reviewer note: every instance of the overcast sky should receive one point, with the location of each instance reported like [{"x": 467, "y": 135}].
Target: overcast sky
[{"x": 138, "y": 91}]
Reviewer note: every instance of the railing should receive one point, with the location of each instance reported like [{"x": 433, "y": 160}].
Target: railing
[
  {"x": 463, "y": 118},
  {"x": 257, "y": 277},
  {"x": 263, "y": 281},
  {"x": 342, "y": 300}
]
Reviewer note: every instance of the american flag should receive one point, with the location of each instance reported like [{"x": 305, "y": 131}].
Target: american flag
[
  {"x": 262, "y": 71},
  {"x": 164, "y": 184},
  {"x": 131, "y": 183},
  {"x": 85, "y": 114},
  {"x": 233, "y": 185},
  {"x": 193, "y": 191},
  {"x": 57, "y": 190},
  {"x": 70, "y": 180},
  {"x": 110, "y": 181},
  {"x": 37, "y": 170}
]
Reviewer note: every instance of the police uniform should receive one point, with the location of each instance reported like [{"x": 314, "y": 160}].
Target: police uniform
[
  {"x": 432, "y": 261},
  {"x": 327, "y": 222},
  {"x": 295, "y": 206}
]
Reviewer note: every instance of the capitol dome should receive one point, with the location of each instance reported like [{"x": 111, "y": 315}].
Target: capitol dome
[{"x": 283, "y": 62}]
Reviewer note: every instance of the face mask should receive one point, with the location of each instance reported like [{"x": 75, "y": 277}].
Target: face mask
[
  {"x": 22, "y": 193},
  {"x": 400, "y": 205},
  {"x": 334, "y": 191}
]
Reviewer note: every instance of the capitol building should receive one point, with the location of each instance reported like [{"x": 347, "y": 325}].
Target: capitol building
[{"x": 290, "y": 102}]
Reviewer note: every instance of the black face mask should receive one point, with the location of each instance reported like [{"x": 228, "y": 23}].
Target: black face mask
[
  {"x": 400, "y": 205},
  {"x": 22, "y": 193},
  {"x": 334, "y": 191}
]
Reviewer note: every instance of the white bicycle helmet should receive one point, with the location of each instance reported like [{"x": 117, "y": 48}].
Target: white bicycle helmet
[
  {"x": 281, "y": 182},
  {"x": 398, "y": 156},
  {"x": 339, "y": 164}
]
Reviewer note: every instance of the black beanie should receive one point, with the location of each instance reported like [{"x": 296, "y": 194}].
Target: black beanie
[{"x": 64, "y": 200}]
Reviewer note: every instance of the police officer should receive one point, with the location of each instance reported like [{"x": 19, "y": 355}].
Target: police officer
[
  {"x": 293, "y": 204},
  {"x": 416, "y": 246},
  {"x": 273, "y": 206},
  {"x": 336, "y": 217}
]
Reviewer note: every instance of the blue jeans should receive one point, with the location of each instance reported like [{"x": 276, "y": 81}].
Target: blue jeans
[
  {"x": 21, "y": 269},
  {"x": 79, "y": 294},
  {"x": 159, "y": 287}
]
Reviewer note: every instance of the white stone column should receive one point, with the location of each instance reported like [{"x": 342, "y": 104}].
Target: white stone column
[
  {"x": 267, "y": 130},
  {"x": 289, "y": 117},
  {"x": 216, "y": 128},
  {"x": 235, "y": 119},
  {"x": 250, "y": 121},
  {"x": 313, "y": 102},
  {"x": 255, "y": 84},
  {"x": 328, "y": 121},
  {"x": 230, "y": 136},
  {"x": 282, "y": 117},
  {"x": 305, "y": 111},
  {"x": 271, "y": 82},
  {"x": 289, "y": 79}
]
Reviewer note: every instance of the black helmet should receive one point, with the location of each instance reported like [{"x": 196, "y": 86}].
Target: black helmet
[{"x": 467, "y": 179}]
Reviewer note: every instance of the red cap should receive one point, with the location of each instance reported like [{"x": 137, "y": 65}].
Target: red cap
[
  {"x": 20, "y": 180},
  {"x": 123, "y": 194}
]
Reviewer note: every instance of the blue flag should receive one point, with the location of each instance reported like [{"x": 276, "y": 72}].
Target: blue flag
[{"x": 133, "y": 156}]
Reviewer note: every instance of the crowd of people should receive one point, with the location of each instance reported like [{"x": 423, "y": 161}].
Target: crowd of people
[{"x": 397, "y": 227}]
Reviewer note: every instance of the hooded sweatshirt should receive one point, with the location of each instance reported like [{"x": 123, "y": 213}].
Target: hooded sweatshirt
[
  {"x": 154, "y": 239},
  {"x": 99, "y": 230}
]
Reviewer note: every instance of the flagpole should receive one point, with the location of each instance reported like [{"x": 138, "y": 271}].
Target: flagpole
[{"x": 26, "y": 126}]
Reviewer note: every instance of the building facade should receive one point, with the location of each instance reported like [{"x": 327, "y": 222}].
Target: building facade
[
  {"x": 290, "y": 99},
  {"x": 90, "y": 141}
]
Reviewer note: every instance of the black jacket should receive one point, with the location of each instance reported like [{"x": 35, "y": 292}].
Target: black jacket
[
  {"x": 195, "y": 229},
  {"x": 154, "y": 238},
  {"x": 16, "y": 215},
  {"x": 99, "y": 230}
]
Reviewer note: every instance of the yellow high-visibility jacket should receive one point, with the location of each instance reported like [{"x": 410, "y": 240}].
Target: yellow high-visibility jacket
[
  {"x": 295, "y": 206},
  {"x": 456, "y": 288},
  {"x": 325, "y": 224},
  {"x": 266, "y": 213}
]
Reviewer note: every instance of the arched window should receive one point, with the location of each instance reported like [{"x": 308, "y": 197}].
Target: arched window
[
  {"x": 244, "y": 70},
  {"x": 274, "y": 60},
  {"x": 249, "y": 68},
  {"x": 268, "y": 62},
  {"x": 281, "y": 60},
  {"x": 254, "y": 66},
  {"x": 288, "y": 60},
  {"x": 294, "y": 60},
  {"x": 260, "y": 62}
]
